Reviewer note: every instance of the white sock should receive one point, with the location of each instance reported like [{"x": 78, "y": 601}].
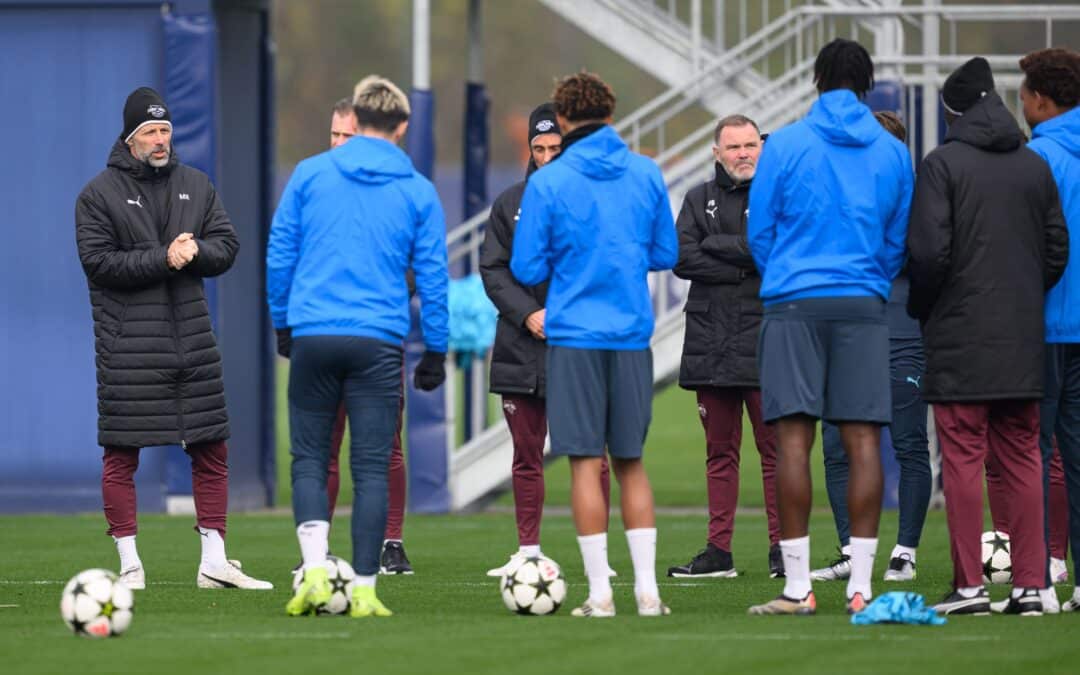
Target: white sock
[
  {"x": 314, "y": 537},
  {"x": 1076, "y": 593},
  {"x": 642, "y": 543},
  {"x": 796, "y": 554},
  {"x": 594, "y": 553},
  {"x": 129, "y": 555},
  {"x": 365, "y": 580},
  {"x": 846, "y": 549},
  {"x": 387, "y": 541},
  {"x": 1049, "y": 599},
  {"x": 213, "y": 549},
  {"x": 531, "y": 551},
  {"x": 969, "y": 591},
  {"x": 899, "y": 551},
  {"x": 863, "y": 550}
]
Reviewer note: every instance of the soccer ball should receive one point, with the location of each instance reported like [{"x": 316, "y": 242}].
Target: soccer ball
[
  {"x": 997, "y": 563},
  {"x": 341, "y": 581},
  {"x": 535, "y": 586},
  {"x": 95, "y": 603}
]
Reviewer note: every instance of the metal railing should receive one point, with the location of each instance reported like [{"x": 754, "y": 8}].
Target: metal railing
[{"x": 920, "y": 44}]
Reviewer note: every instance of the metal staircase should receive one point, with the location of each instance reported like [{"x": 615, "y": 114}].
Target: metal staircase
[{"x": 767, "y": 76}]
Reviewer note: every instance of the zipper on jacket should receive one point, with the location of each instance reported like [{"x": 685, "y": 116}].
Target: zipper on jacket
[{"x": 176, "y": 344}]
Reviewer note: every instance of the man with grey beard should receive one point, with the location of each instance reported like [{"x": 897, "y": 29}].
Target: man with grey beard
[
  {"x": 149, "y": 230},
  {"x": 719, "y": 360}
]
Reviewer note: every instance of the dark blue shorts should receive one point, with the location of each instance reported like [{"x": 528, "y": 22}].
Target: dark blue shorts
[
  {"x": 827, "y": 358},
  {"x": 598, "y": 398}
]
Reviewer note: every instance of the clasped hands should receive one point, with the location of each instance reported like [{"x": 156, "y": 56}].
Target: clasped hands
[{"x": 182, "y": 251}]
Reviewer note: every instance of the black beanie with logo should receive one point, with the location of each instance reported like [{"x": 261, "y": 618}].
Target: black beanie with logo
[
  {"x": 967, "y": 85},
  {"x": 144, "y": 106},
  {"x": 542, "y": 121}
]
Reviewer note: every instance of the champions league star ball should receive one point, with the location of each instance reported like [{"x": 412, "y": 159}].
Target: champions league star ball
[
  {"x": 535, "y": 586},
  {"x": 997, "y": 562},
  {"x": 341, "y": 581},
  {"x": 95, "y": 603}
]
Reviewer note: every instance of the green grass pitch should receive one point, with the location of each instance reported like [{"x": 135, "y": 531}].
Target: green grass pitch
[{"x": 450, "y": 618}]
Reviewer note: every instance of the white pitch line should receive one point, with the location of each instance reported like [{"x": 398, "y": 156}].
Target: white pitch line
[
  {"x": 61, "y": 582},
  {"x": 7, "y": 606},
  {"x": 283, "y": 635},
  {"x": 769, "y": 637},
  {"x": 495, "y": 582}
]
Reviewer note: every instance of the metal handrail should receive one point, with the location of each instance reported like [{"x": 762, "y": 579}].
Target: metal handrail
[
  {"x": 952, "y": 12},
  {"x": 798, "y": 31},
  {"x": 733, "y": 55}
]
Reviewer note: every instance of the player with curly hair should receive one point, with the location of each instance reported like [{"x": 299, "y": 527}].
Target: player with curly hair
[
  {"x": 1050, "y": 94},
  {"x": 594, "y": 224}
]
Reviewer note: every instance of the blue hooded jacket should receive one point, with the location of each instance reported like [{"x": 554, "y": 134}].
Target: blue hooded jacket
[
  {"x": 1058, "y": 141},
  {"x": 595, "y": 223},
  {"x": 829, "y": 205},
  {"x": 350, "y": 223}
]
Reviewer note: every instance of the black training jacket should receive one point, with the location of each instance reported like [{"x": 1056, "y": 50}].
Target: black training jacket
[
  {"x": 518, "y": 358},
  {"x": 986, "y": 239},
  {"x": 158, "y": 366},
  {"x": 723, "y": 310}
]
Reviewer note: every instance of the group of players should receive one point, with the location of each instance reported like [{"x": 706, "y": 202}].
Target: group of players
[{"x": 826, "y": 283}]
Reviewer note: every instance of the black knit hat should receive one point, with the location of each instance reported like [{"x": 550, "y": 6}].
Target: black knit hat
[
  {"x": 967, "y": 85},
  {"x": 144, "y": 106},
  {"x": 542, "y": 121}
]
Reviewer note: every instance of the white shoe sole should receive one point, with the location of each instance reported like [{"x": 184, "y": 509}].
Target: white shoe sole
[
  {"x": 204, "y": 580},
  {"x": 382, "y": 570},
  {"x": 828, "y": 577},
  {"x": 657, "y": 609},
  {"x": 899, "y": 577},
  {"x": 726, "y": 574},
  {"x": 594, "y": 614}
]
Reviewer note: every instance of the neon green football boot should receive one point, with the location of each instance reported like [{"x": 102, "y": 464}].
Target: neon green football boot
[
  {"x": 314, "y": 592},
  {"x": 364, "y": 603}
]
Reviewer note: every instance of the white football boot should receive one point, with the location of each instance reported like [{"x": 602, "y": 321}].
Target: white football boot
[
  {"x": 837, "y": 570},
  {"x": 516, "y": 559},
  {"x": 601, "y": 610},
  {"x": 229, "y": 576},
  {"x": 134, "y": 578},
  {"x": 650, "y": 605}
]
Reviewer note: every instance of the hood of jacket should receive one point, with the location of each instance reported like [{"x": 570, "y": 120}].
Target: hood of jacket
[
  {"x": 840, "y": 118},
  {"x": 371, "y": 160},
  {"x": 120, "y": 158},
  {"x": 987, "y": 125},
  {"x": 601, "y": 155},
  {"x": 1063, "y": 130}
]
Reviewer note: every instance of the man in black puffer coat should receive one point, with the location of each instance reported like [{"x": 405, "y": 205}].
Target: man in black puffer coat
[
  {"x": 719, "y": 362},
  {"x": 987, "y": 239},
  {"x": 519, "y": 354},
  {"x": 149, "y": 229}
]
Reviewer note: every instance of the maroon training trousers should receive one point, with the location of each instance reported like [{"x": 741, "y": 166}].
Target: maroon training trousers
[
  {"x": 209, "y": 482},
  {"x": 721, "y": 412},
  {"x": 1004, "y": 435},
  {"x": 1059, "y": 504}
]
